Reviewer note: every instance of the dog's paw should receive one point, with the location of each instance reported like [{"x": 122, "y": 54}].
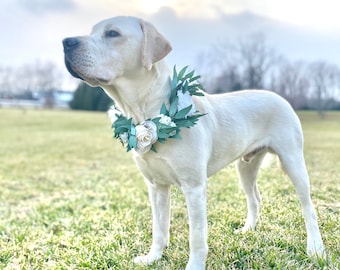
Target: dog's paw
[
  {"x": 146, "y": 259},
  {"x": 198, "y": 265},
  {"x": 316, "y": 250},
  {"x": 244, "y": 229}
]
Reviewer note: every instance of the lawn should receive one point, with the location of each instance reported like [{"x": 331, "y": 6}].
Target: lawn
[{"x": 71, "y": 198}]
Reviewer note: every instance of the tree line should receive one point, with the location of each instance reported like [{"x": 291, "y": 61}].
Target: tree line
[
  {"x": 39, "y": 80},
  {"x": 251, "y": 64},
  {"x": 247, "y": 63}
]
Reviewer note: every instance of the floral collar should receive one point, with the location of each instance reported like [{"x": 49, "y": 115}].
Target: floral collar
[{"x": 168, "y": 124}]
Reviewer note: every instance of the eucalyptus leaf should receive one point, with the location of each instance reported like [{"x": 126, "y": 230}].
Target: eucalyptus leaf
[
  {"x": 182, "y": 81},
  {"x": 185, "y": 87},
  {"x": 163, "y": 135},
  {"x": 133, "y": 141},
  {"x": 168, "y": 129},
  {"x": 177, "y": 136},
  {"x": 133, "y": 130},
  {"x": 194, "y": 78},
  {"x": 189, "y": 75},
  {"x": 173, "y": 107},
  {"x": 163, "y": 110},
  {"x": 181, "y": 73},
  {"x": 174, "y": 80},
  {"x": 161, "y": 140},
  {"x": 200, "y": 94},
  {"x": 183, "y": 113}
]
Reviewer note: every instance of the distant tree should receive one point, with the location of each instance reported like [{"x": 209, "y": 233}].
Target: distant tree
[
  {"x": 325, "y": 79},
  {"x": 229, "y": 80},
  {"x": 292, "y": 82},
  {"x": 90, "y": 98},
  {"x": 244, "y": 64},
  {"x": 256, "y": 59},
  {"x": 7, "y": 82},
  {"x": 39, "y": 77}
]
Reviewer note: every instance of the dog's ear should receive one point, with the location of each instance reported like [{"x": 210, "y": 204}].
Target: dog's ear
[{"x": 155, "y": 46}]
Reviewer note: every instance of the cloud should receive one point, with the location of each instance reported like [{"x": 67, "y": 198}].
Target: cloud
[{"x": 46, "y": 6}]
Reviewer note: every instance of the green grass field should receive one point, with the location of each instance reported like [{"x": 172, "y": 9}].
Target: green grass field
[{"x": 71, "y": 198}]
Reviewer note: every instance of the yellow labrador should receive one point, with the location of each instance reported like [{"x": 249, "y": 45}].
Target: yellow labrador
[{"x": 124, "y": 55}]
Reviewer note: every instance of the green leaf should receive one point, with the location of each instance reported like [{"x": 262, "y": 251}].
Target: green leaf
[
  {"x": 196, "y": 85},
  {"x": 183, "y": 113},
  {"x": 177, "y": 136},
  {"x": 195, "y": 78},
  {"x": 120, "y": 130},
  {"x": 133, "y": 130},
  {"x": 132, "y": 141},
  {"x": 189, "y": 75},
  {"x": 162, "y": 135},
  {"x": 167, "y": 129},
  {"x": 163, "y": 110},
  {"x": 174, "y": 80},
  {"x": 186, "y": 123},
  {"x": 200, "y": 94},
  {"x": 161, "y": 140},
  {"x": 181, "y": 73},
  {"x": 185, "y": 87},
  {"x": 173, "y": 107}
]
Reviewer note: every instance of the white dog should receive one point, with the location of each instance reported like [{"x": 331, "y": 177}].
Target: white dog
[{"x": 124, "y": 55}]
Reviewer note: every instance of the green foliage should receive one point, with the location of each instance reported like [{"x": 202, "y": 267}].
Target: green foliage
[
  {"x": 90, "y": 99},
  {"x": 125, "y": 126},
  {"x": 71, "y": 198},
  {"x": 179, "y": 118},
  {"x": 185, "y": 82}
]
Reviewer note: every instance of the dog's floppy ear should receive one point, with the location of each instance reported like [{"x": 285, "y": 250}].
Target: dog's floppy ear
[{"x": 155, "y": 46}]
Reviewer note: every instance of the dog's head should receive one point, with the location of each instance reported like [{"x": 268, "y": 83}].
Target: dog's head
[{"x": 116, "y": 47}]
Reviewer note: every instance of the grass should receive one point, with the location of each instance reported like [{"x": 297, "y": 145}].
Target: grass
[{"x": 71, "y": 198}]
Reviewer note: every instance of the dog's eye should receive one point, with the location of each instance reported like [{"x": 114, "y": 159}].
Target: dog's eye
[{"x": 112, "y": 33}]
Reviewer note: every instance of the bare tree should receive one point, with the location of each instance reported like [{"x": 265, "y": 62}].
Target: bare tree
[
  {"x": 7, "y": 82},
  {"x": 291, "y": 82},
  {"x": 257, "y": 59},
  {"x": 240, "y": 65},
  {"x": 40, "y": 77},
  {"x": 324, "y": 78}
]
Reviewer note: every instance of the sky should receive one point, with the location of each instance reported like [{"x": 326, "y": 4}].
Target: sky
[{"x": 32, "y": 30}]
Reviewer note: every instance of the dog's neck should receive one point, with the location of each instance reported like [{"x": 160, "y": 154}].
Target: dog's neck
[{"x": 141, "y": 94}]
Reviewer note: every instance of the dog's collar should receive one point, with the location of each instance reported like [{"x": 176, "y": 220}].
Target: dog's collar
[{"x": 180, "y": 113}]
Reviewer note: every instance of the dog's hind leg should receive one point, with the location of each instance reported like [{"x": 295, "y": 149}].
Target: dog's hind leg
[
  {"x": 247, "y": 169},
  {"x": 294, "y": 166}
]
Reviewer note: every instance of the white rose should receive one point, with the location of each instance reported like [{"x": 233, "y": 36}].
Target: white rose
[
  {"x": 185, "y": 100},
  {"x": 146, "y": 135},
  {"x": 166, "y": 120}
]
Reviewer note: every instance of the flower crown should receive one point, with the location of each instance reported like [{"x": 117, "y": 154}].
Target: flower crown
[{"x": 168, "y": 124}]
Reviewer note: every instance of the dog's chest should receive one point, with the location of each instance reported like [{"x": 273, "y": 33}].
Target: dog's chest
[{"x": 157, "y": 170}]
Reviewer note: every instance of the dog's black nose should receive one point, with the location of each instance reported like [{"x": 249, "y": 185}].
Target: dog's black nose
[{"x": 70, "y": 43}]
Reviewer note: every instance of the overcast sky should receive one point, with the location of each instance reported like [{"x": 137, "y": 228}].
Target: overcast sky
[{"x": 32, "y": 30}]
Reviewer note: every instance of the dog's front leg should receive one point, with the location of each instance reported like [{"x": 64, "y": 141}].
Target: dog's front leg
[
  {"x": 159, "y": 196},
  {"x": 196, "y": 204}
]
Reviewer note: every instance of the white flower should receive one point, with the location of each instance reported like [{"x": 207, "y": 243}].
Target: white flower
[
  {"x": 166, "y": 120},
  {"x": 146, "y": 135},
  {"x": 185, "y": 100},
  {"x": 112, "y": 113},
  {"x": 124, "y": 137}
]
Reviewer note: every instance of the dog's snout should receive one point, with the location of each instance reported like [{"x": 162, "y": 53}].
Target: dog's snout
[{"x": 70, "y": 43}]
